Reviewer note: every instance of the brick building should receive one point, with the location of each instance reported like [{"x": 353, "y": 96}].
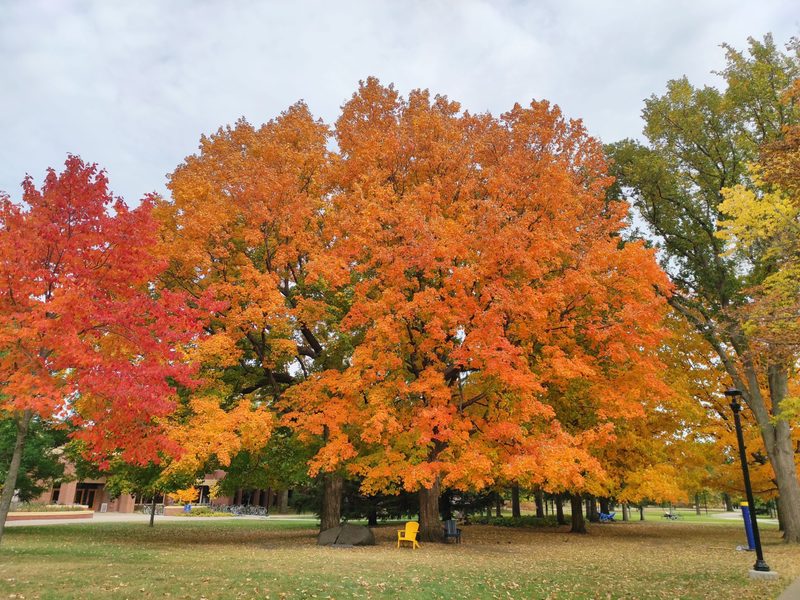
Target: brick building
[{"x": 92, "y": 493}]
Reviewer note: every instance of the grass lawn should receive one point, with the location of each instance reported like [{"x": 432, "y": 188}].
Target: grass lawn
[{"x": 229, "y": 558}]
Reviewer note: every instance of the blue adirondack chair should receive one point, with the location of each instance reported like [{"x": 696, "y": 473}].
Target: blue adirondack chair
[
  {"x": 451, "y": 530},
  {"x": 607, "y": 517}
]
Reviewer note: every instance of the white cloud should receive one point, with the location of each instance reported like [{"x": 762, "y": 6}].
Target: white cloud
[{"x": 132, "y": 85}]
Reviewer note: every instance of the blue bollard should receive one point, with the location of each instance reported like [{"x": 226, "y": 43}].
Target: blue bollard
[{"x": 748, "y": 526}]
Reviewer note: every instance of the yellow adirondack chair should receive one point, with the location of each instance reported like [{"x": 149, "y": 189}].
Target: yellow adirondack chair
[{"x": 409, "y": 534}]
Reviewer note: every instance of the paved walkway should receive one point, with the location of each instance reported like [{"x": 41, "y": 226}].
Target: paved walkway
[
  {"x": 792, "y": 592},
  {"x": 141, "y": 518},
  {"x": 736, "y": 515}
]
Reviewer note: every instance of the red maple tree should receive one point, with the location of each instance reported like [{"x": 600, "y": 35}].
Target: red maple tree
[{"x": 83, "y": 334}]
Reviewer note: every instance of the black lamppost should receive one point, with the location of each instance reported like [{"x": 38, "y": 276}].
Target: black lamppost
[{"x": 734, "y": 394}]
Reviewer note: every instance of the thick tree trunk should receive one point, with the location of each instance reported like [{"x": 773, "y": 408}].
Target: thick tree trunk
[
  {"x": 776, "y": 433},
  {"x": 728, "y": 504},
  {"x": 515, "y": 508},
  {"x": 430, "y": 526},
  {"x": 372, "y": 516},
  {"x": 781, "y": 454},
  {"x": 592, "y": 513},
  {"x": 560, "y": 510},
  {"x": 153, "y": 510},
  {"x": 498, "y": 505},
  {"x": 283, "y": 502},
  {"x": 10, "y": 484},
  {"x": 641, "y": 512},
  {"x": 331, "y": 514},
  {"x": 539, "y": 499},
  {"x": 697, "y": 503},
  {"x": 604, "y": 505},
  {"x": 780, "y": 515},
  {"x": 626, "y": 512},
  {"x": 578, "y": 524}
]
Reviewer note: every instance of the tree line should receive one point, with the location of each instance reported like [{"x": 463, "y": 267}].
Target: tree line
[{"x": 419, "y": 299}]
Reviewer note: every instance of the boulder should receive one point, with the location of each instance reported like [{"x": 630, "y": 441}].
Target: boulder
[
  {"x": 347, "y": 535},
  {"x": 328, "y": 537}
]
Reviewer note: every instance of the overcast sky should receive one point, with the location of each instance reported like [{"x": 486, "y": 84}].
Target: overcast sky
[{"x": 131, "y": 85}]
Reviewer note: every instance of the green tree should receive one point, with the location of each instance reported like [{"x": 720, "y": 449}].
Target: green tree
[
  {"x": 699, "y": 142},
  {"x": 281, "y": 464},
  {"x": 149, "y": 481},
  {"x": 41, "y": 464}
]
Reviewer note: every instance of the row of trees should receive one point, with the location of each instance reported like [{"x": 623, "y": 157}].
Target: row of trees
[
  {"x": 716, "y": 185},
  {"x": 446, "y": 301}
]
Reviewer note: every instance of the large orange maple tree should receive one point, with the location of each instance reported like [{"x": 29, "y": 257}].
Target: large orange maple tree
[
  {"x": 83, "y": 335},
  {"x": 485, "y": 271}
]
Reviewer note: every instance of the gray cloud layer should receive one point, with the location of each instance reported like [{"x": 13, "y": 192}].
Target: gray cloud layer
[{"x": 132, "y": 85}]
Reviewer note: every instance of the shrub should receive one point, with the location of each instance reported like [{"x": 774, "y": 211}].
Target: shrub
[
  {"x": 526, "y": 521},
  {"x": 203, "y": 511},
  {"x": 40, "y": 507}
]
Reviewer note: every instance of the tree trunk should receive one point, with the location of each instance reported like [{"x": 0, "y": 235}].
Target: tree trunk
[
  {"x": 430, "y": 526},
  {"x": 372, "y": 516},
  {"x": 10, "y": 484},
  {"x": 626, "y": 512},
  {"x": 604, "y": 506},
  {"x": 728, "y": 504},
  {"x": 592, "y": 513},
  {"x": 697, "y": 504},
  {"x": 560, "y": 510},
  {"x": 578, "y": 524},
  {"x": 331, "y": 501},
  {"x": 776, "y": 434},
  {"x": 641, "y": 512},
  {"x": 498, "y": 505},
  {"x": 446, "y": 505},
  {"x": 780, "y": 514},
  {"x": 539, "y": 499},
  {"x": 781, "y": 455},
  {"x": 153, "y": 510},
  {"x": 283, "y": 502},
  {"x": 515, "y": 508}
]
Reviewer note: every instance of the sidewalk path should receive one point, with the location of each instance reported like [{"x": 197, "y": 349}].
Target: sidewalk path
[
  {"x": 792, "y": 592},
  {"x": 737, "y": 516}
]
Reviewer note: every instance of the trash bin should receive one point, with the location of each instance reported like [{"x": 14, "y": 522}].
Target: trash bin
[{"x": 748, "y": 526}]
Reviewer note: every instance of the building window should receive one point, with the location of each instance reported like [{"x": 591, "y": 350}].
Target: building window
[{"x": 85, "y": 493}]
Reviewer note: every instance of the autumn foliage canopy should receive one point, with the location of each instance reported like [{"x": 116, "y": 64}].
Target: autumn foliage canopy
[
  {"x": 82, "y": 334},
  {"x": 444, "y": 299},
  {"x": 425, "y": 297}
]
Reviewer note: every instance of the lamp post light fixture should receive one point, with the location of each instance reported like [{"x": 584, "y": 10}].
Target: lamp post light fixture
[{"x": 734, "y": 395}]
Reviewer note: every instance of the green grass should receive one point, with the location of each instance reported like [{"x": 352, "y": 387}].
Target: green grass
[{"x": 248, "y": 558}]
